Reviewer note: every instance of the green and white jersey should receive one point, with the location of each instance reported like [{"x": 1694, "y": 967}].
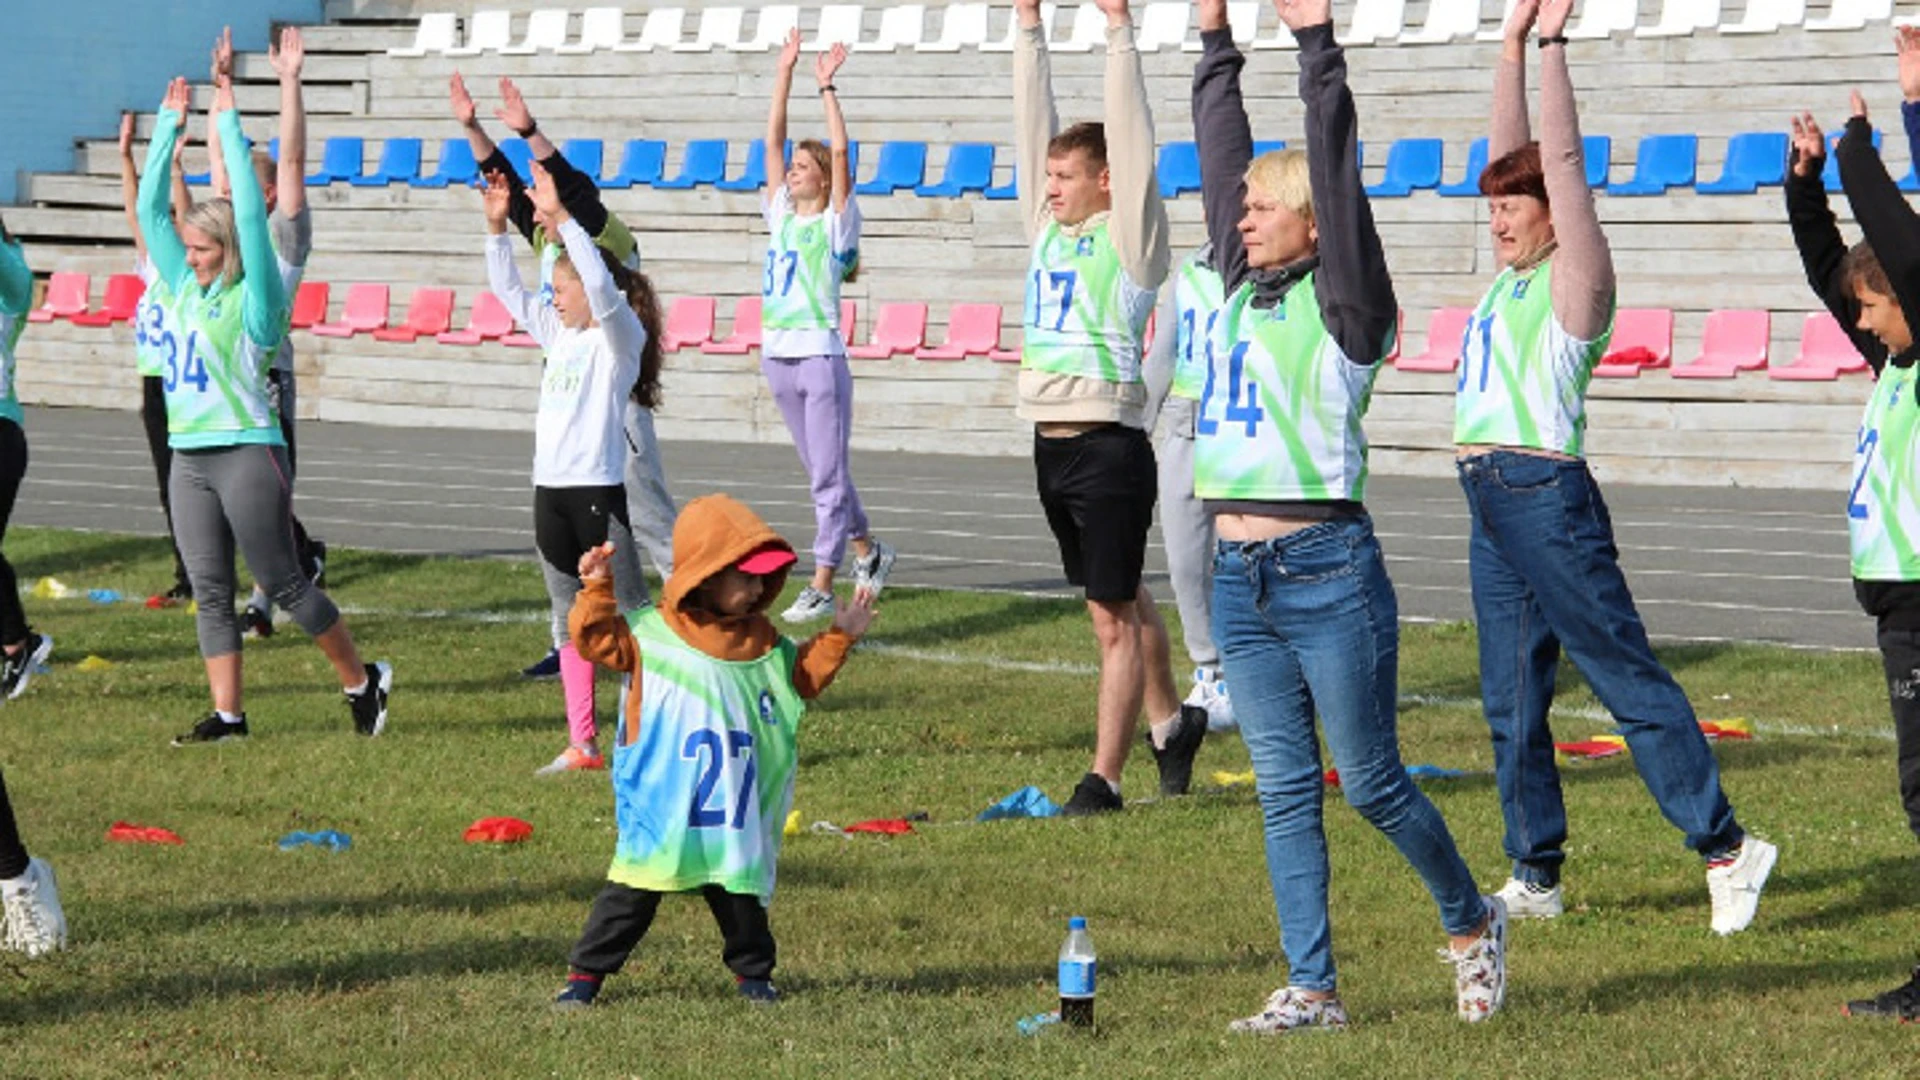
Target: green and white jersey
[
  {"x": 215, "y": 377},
  {"x": 152, "y": 323},
  {"x": 1083, "y": 316},
  {"x": 808, "y": 256},
  {"x": 1883, "y": 506},
  {"x": 16, "y": 298},
  {"x": 1198, "y": 294},
  {"x": 1280, "y": 412},
  {"x": 1523, "y": 378},
  {"x": 701, "y": 796}
]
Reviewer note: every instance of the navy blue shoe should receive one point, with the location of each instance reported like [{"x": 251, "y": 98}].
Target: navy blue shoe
[
  {"x": 548, "y": 667},
  {"x": 578, "y": 994},
  {"x": 758, "y": 991}
]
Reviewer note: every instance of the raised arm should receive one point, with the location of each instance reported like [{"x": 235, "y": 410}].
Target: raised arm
[
  {"x": 265, "y": 294},
  {"x": 1138, "y": 224},
  {"x": 1906, "y": 43},
  {"x": 1583, "y": 281},
  {"x": 220, "y": 68},
  {"x": 164, "y": 249},
  {"x": 1035, "y": 122},
  {"x": 464, "y": 112},
  {"x": 776, "y": 144},
  {"x": 290, "y": 178},
  {"x": 1817, "y": 236},
  {"x": 514, "y": 113},
  {"x": 625, "y": 335},
  {"x": 1162, "y": 355},
  {"x": 130, "y": 184},
  {"x": 503, "y": 276},
  {"x": 1509, "y": 131},
  {"x": 1224, "y": 141},
  {"x": 1890, "y": 224},
  {"x": 177, "y": 183},
  {"x": 824, "y": 67}
]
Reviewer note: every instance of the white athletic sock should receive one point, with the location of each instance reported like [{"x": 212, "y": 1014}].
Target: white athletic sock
[
  {"x": 229, "y": 718},
  {"x": 1163, "y": 731},
  {"x": 356, "y": 691}
]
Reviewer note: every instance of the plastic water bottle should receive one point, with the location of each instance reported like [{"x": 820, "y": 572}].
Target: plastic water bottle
[{"x": 1076, "y": 975}]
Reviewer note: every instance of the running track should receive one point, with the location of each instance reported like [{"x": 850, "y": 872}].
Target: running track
[{"x": 1704, "y": 563}]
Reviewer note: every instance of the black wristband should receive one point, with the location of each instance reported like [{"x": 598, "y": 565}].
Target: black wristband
[
  {"x": 531, "y": 130},
  {"x": 828, "y": 87},
  {"x": 1556, "y": 39}
]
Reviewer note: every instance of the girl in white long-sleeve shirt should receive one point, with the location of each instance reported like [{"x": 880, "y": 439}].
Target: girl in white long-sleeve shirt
[{"x": 601, "y": 336}]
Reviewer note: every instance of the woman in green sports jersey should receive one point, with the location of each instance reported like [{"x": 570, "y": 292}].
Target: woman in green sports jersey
[
  {"x": 230, "y": 480},
  {"x": 1543, "y": 564}
]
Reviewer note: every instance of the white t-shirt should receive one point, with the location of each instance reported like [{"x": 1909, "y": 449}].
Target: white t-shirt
[
  {"x": 293, "y": 244},
  {"x": 843, "y": 238},
  {"x": 579, "y": 435}
]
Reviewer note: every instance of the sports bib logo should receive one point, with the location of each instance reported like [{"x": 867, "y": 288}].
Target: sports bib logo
[
  {"x": 1084, "y": 247},
  {"x": 1520, "y": 288},
  {"x": 767, "y": 716}
]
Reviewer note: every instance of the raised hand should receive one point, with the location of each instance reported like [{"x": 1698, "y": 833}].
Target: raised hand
[
  {"x": 595, "y": 562},
  {"x": 1858, "y": 103},
  {"x": 546, "y": 195},
  {"x": 1213, "y": 15},
  {"x": 827, "y": 63},
  {"x": 1553, "y": 17},
  {"x": 1520, "y": 21},
  {"x": 853, "y": 618},
  {"x": 1300, "y": 14},
  {"x": 460, "y": 100},
  {"x": 222, "y": 54},
  {"x": 513, "y": 110},
  {"x": 1116, "y": 11},
  {"x": 180, "y": 151},
  {"x": 1809, "y": 145},
  {"x": 126, "y": 134},
  {"x": 1028, "y": 12},
  {"x": 289, "y": 54},
  {"x": 222, "y": 95},
  {"x": 495, "y": 198},
  {"x": 1906, "y": 42},
  {"x": 790, "y": 52},
  {"x": 178, "y": 97}
]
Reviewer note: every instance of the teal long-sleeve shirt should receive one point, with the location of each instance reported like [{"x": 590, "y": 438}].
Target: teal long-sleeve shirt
[{"x": 16, "y": 280}]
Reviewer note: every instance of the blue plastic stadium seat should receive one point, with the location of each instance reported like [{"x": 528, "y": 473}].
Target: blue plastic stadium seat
[
  {"x": 641, "y": 163},
  {"x": 1411, "y": 164},
  {"x": 1753, "y": 158},
  {"x": 399, "y": 163},
  {"x": 340, "y": 161},
  {"x": 706, "y": 163},
  {"x": 902, "y": 165},
  {"x": 1598, "y": 152},
  {"x": 1008, "y": 190},
  {"x": 754, "y": 175},
  {"x": 1831, "y": 173},
  {"x": 520, "y": 156},
  {"x": 1178, "y": 169},
  {"x": 1469, "y": 182},
  {"x": 1664, "y": 161},
  {"x": 586, "y": 155},
  {"x": 456, "y": 166},
  {"x": 969, "y": 168},
  {"x": 1264, "y": 146}
]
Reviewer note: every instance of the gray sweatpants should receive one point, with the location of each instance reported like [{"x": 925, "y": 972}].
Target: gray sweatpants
[
  {"x": 629, "y": 588},
  {"x": 243, "y": 494},
  {"x": 1187, "y": 530},
  {"x": 649, "y": 505}
]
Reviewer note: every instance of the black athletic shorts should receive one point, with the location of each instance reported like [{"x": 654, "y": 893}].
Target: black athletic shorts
[{"x": 1098, "y": 489}]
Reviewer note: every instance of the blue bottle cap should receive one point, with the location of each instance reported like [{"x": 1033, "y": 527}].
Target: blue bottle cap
[{"x": 1078, "y": 922}]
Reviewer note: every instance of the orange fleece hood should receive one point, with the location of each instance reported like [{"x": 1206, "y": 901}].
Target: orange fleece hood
[{"x": 712, "y": 533}]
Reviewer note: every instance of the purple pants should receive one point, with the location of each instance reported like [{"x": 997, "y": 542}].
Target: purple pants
[{"x": 815, "y": 395}]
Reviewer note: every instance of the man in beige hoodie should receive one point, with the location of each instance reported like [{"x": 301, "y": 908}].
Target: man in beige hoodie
[{"x": 1092, "y": 210}]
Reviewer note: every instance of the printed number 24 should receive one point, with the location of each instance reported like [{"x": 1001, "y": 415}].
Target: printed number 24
[
  {"x": 700, "y": 815},
  {"x": 1243, "y": 395}
]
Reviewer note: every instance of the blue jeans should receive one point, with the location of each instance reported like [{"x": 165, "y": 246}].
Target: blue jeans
[
  {"x": 1304, "y": 623},
  {"x": 1546, "y": 574}
]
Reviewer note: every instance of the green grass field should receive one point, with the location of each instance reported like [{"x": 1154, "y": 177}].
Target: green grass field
[{"x": 415, "y": 954}]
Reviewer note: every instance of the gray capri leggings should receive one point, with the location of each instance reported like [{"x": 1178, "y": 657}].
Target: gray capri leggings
[{"x": 242, "y": 493}]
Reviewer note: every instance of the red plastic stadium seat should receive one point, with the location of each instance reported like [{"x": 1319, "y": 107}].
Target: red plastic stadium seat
[
  {"x": 689, "y": 322},
  {"x": 66, "y": 297},
  {"x": 972, "y": 330},
  {"x": 489, "y": 320},
  {"x": 899, "y": 328},
  {"x": 429, "y": 313},
  {"x": 123, "y": 295},
  {"x": 310, "y": 304},
  {"x": 366, "y": 310},
  {"x": 1734, "y": 341},
  {"x": 1642, "y": 338},
  {"x": 746, "y": 329},
  {"x": 1446, "y": 333},
  {"x": 1008, "y": 355},
  {"x": 1826, "y": 352}
]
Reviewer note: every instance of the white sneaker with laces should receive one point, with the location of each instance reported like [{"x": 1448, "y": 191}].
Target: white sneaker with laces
[
  {"x": 35, "y": 923},
  {"x": 1480, "y": 972},
  {"x": 1210, "y": 693},
  {"x": 871, "y": 572},
  {"x": 1735, "y": 887},
  {"x": 1527, "y": 901},
  {"x": 811, "y": 604},
  {"x": 1289, "y": 1009}
]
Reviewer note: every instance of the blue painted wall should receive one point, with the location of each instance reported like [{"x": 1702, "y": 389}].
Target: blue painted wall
[{"x": 71, "y": 68}]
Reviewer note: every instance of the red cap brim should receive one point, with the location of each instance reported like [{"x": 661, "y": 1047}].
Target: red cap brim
[{"x": 767, "y": 560}]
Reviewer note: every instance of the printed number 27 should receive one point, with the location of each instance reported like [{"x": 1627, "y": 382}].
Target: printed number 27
[{"x": 701, "y": 815}]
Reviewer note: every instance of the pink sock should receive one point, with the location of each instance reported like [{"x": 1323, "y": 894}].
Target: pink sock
[{"x": 576, "y": 678}]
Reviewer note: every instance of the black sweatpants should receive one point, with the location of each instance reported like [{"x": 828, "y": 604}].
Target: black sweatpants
[
  {"x": 621, "y": 915},
  {"x": 1900, "y": 657},
  {"x": 13, "y": 468},
  {"x": 13, "y": 854},
  {"x": 153, "y": 415}
]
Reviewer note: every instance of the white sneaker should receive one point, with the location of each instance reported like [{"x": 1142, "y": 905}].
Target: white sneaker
[
  {"x": 1480, "y": 973},
  {"x": 811, "y": 604},
  {"x": 1288, "y": 1010},
  {"x": 1735, "y": 887},
  {"x": 35, "y": 923},
  {"x": 1210, "y": 693},
  {"x": 871, "y": 572},
  {"x": 1526, "y": 901}
]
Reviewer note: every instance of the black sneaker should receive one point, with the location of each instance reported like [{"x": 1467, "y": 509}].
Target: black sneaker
[
  {"x": 370, "y": 705},
  {"x": 547, "y": 667},
  {"x": 1093, "y": 795},
  {"x": 577, "y": 994},
  {"x": 257, "y": 622},
  {"x": 17, "y": 669},
  {"x": 1900, "y": 1003},
  {"x": 213, "y": 730},
  {"x": 1176, "y": 758},
  {"x": 758, "y": 991},
  {"x": 315, "y": 563}
]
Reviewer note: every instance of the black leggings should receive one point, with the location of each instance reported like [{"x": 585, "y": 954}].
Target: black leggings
[
  {"x": 621, "y": 915},
  {"x": 567, "y": 521},
  {"x": 13, "y": 854},
  {"x": 153, "y": 415},
  {"x": 13, "y": 467},
  {"x": 280, "y": 389}
]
